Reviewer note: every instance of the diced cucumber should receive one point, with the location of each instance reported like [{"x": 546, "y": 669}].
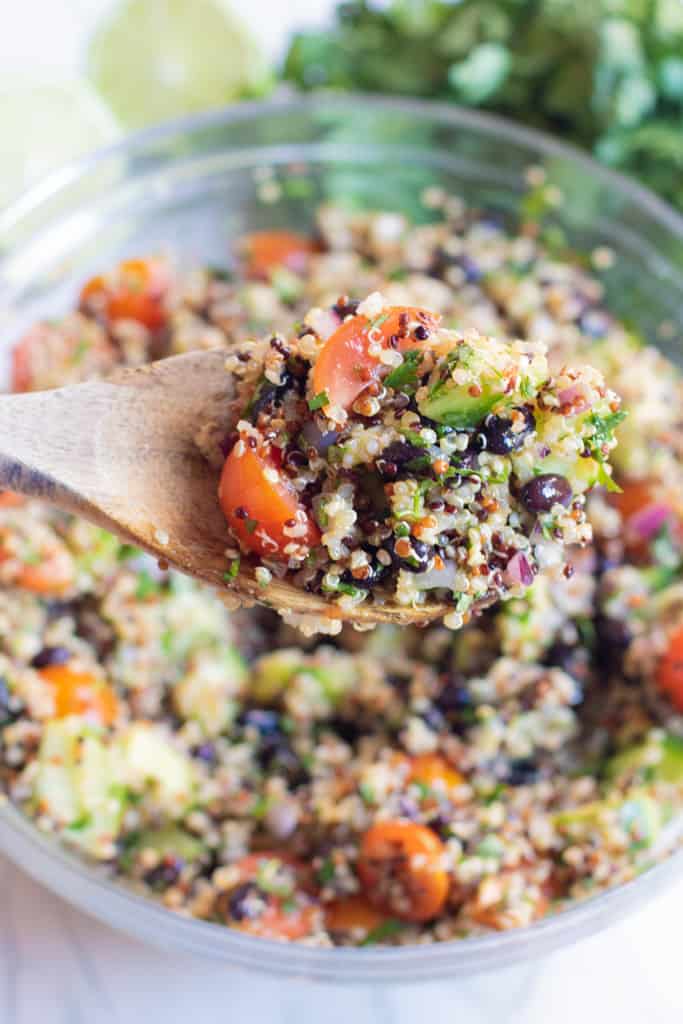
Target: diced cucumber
[
  {"x": 482, "y": 370},
  {"x": 209, "y": 690},
  {"x": 150, "y": 763},
  {"x": 78, "y": 785},
  {"x": 337, "y": 675},
  {"x": 454, "y": 406},
  {"x": 658, "y": 759},
  {"x": 170, "y": 840},
  {"x": 637, "y": 813},
  {"x": 272, "y": 673},
  {"x": 582, "y": 473}
]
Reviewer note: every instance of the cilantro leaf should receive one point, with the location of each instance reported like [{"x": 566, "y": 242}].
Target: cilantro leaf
[{"x": 404, "y": 377}]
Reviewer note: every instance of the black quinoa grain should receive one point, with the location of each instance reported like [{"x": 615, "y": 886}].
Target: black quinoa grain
[{"x": 51, "y": 656}]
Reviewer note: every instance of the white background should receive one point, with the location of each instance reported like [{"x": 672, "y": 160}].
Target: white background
[{"x": 59, "y": 967}]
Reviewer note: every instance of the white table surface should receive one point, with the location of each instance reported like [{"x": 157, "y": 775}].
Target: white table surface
[{"x": 58, "y": 966}]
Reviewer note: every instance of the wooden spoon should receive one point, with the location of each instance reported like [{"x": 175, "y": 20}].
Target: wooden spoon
[{"x": 121, "y": 452}]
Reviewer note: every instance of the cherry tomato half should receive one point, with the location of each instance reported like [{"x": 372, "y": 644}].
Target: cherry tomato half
[
  {"x": 263, "y": 251},
  {"x": 670, "y": 670},
  {"x": 435, "y": 773},
  {"x": 259, "y": 503},
  {"x": 345, "y": 365},
  {"x": 80, "y": 693},
  {"x": 263, "y": 904},
  {"x": 400, "y": 865},
  {"x": 135, "y": 290}
]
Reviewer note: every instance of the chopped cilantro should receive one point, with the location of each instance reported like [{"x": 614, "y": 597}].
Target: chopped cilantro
[
  {"x": 367, "y": 793},
  {"x": 147, "y": 586},
  {"x": 298, "y": 188},
  {"x": 233, "y": 570},
  {"x": 414, "y": 438},
  {"x": 220, "y": 273},
  {"x": 664, "y": 549},
  {"x": 404, "y": 377},
  {"x": 80, "y": 823},
  {"x": 605, "y": 427},
  {"x": 383, "y": 931},
  {"x": 377, "y": 322},
  {"x": 166, "y": 642},
  {"x": 260, "y": 807},
  {"x": 326, "y": 872},
  {"x": 125, "y": 552},
  {"x": 318, "y": 401},
  {"x": 251, "y": 525}
]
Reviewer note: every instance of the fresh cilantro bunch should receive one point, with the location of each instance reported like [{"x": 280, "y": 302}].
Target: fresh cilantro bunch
[{"x": 606, "y": 74}]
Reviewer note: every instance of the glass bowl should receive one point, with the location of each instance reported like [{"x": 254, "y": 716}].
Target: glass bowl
[{"x": 191, "y": 186}]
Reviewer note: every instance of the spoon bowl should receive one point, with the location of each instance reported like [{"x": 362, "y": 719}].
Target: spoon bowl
[{"x": 121, "y": 452}]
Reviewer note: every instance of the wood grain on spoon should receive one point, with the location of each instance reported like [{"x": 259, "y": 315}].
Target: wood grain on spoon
[{"x": 121, "y": 452}]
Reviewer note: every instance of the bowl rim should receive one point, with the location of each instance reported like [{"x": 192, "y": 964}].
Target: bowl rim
[
  {"x": 659, "y": 209},
  {"x": 84, "y": 884}
]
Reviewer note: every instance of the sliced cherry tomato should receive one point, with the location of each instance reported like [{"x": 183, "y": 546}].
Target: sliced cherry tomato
[
  {"x": 22, "y": 376},
  {"x": 266, "y": 250},
  {"x": 50, "y": 355},
  {"x": 258, "y": 503},
  {"x": 400, "y": 865},
  {"x": 434, "y": 772},
  {"x": 345, "y": 365},
  {"x": 134, "y": 291},
  {"x": 645, "y": 508},
  {"x": 80, "y": 693},
  {"x": 279, "y": 912},
  {"x": 50, "y": 571},
  {"x": 9, "y": 499},
  {"x": 670, "y": 670},
  {"x": 353, "y": 914}
]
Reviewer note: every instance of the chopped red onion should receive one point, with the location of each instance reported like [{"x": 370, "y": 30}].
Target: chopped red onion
[
  {"x": 573, "y": 395},
  {"x": 518, "y": 570},
  {"x": 649, "y": 520},
  {"x": 321, "y": 442}
]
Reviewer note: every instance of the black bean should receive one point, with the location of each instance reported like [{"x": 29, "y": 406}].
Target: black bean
[
  {"x": 542, "y": 492},
  {"x": 277, "y": 757},
  {"x": 346, "y": 729},
  {"x": 206, "y": 752},
  {"x": 399, "y": 452},
  {"x": 421, "y": 332},
  {"x": 11, "y": 707},
  {"x": 349, "y": 307},
  {"x": 500, "y": 435},
  {"x": 269, "y": 394},
  {"x": 522, "y": 772},
  {"x": 571, "y": 659},
  {"x": 51, "y": 656},
  {"x": 417, "y": 562},
  {"x": 376, "y": 573},
  {"x": 454, "y": 696},
  {"x": 240, "y": 899},
  {"x": 166, "y": 872},
  {"x": 434, "y": 718},
  {"x": 443, "y": 261},
  {"x": 265, "y": 722}
]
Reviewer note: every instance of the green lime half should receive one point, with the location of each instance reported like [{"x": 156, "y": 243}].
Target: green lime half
[
  {"x": 45, "y": 123},
  {"x": 157, "y": 59}
]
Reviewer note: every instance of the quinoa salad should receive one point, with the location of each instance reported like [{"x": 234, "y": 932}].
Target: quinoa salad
[
  {"x": 396, "y": 786},
  {"x": 378, "y": 455}
]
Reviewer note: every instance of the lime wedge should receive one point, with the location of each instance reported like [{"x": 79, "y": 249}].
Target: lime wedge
[
  {"x": 157, "y": 59},
  {"x": 44, "y": 123}
]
